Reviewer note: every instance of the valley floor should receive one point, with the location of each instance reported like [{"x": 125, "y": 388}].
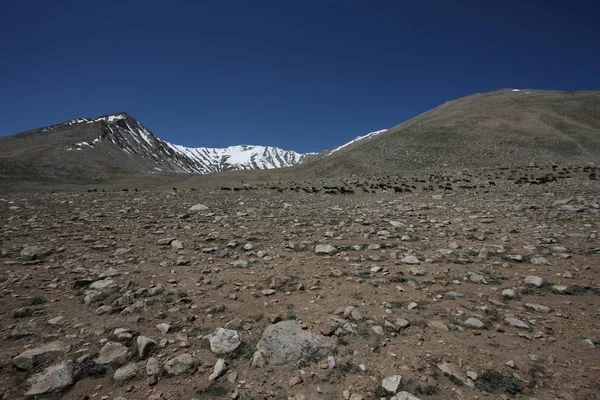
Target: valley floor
[{"x": 485, "y": 291}]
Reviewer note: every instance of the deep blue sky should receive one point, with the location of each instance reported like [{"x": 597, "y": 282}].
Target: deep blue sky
[{"x": 298, "y": 74}]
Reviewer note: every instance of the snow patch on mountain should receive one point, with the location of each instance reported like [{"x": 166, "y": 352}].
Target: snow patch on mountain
[
  {"x": 135, "y": 140},
  {"x": 357, "y": 139},
  {"x": 152, "y": 154}
]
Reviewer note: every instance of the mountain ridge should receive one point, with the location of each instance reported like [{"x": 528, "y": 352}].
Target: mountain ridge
[
  {"x": 120, "y": 144},
  {"x": 500, "y": 128}
]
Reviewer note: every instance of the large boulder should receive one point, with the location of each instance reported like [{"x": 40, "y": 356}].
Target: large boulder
[
  {"x": 287, "y": 343},
  {"x": 224, "y": 341},
  {"x": 30, "y": 358},
  {"x": 180, "y": 364},
  {"x": 112, "y": 353},
  {"x": 53, "y": 379}
]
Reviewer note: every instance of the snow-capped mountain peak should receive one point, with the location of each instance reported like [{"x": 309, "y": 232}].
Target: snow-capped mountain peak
[{"x": 134, "y": 139}]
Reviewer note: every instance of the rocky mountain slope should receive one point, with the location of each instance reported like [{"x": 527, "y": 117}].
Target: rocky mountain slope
[
  {"x": 95, "y": 148},
  {"x": 505, "y": 127}
]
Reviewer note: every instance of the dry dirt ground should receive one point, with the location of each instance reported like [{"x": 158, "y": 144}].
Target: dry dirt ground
[{"x": 478, "y": 292}]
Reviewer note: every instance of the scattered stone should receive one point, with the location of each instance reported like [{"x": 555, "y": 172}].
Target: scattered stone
[
  {"x": 126, "y": 373},
  {"x": 560, "y": 289},
  {"x": 517, "y": 323},
  {"x": 112, "y": 353},
  {"x": 180, "y": 364},
  {"x": 538, "y": 307},
  {"x": 22, "y": 330},
  {"x": 539, "y": 261},
  {"x": 153, "y": 366},
  {"x": 30, "y": 358},
  {"x": 439, "y": 325},
  {"x": 218, "y": 370},
  {"x": 102, "y": 284},
  {"x": 509, "y": 294},
  {"x": 198, "y": 207},
  {"x": 144, "y": 346},
  {"x": 176, "y": 244},
  {"x": 391, "y": 383},
  {"x": 404, "y": 396},
  {"x": 240, "y": 264},
  {"x": 474, "y": 323},
  {"x": 287, "y": 343},
  {"x": 164, "y": 328},
  {"x": 53, "y": 379},
  {"x": 534, "y": 281},
  {"x": 258, "y": 361},
  {"x": 410, "y": 260},
  {"x": 453, "y": 371},
  {"x": 30, "y": 253},
  {"x": 473, "y": 277},
  {"x": 325, "y": 249},
  {"x": 224, "y": 341}
]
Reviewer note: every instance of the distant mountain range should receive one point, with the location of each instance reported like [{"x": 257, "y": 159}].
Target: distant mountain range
[
  {"x": 94, "y": 149},
  {"x": 502, "y": 128}
]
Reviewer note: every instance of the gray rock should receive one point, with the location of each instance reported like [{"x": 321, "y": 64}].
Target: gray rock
[
  {"x": 258, "y": 361},
  {"x": 287, "y": 343},
  {"x": 156, "y": 290},
  {"x": 378, "y": 330},
  {"x": 416, "y": 271},
  {"x": 391, "y": 383},
  {"x": 473, "y": 277},
  {"x": 144, "y": 346},
  {"x": 22, "y": 330},
  {"x": 164, "y": 328},
  {"x": 539, "y": 261},
  {"x": 180, "y": 364},
  {"x": 240, "y": 264},
  {"x": 93, "y": 296},
  {"x": 21, "y": 312},
  {"x": 112, "y": 353},
  {"x": 53, "y": 379},
  {"x": 517, "y": 323},
  {"x": 325, "y": 249},
  {"x": 30, "y": 358},
  {"x": 102, "y": 284},
  {"x": 453, "y": 371},
  {"x": 177, "y": 244},
  {"x": 218, "y": 370},
  {"x": 453, "y": 295},
  {"x": 198, "y": 207},
  {"x": 126, "y": 373},
  {"x": 511, "y": 364},
  {"x": 165, "y": 241},
  {"x": 474, "y": 323},
  {"x": 538, "y": 307},
  {"x": 410, "y": 260},
  {"x": 440, "y": 326},
  {"x": 224, "y": 341},
  {"x": 534, "y": 281},
  {"x": 401, "y": 323},
  {"x": 153, "y": 367},
  {"x": 121, "y": 251},
  {"x": 509, "y": 294},
  {"x": 404, "y": 396},
  {"x": 560, "y": 289},
  {"x": 30, "y": 253},
  {"x": 589, "y": 343}
]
